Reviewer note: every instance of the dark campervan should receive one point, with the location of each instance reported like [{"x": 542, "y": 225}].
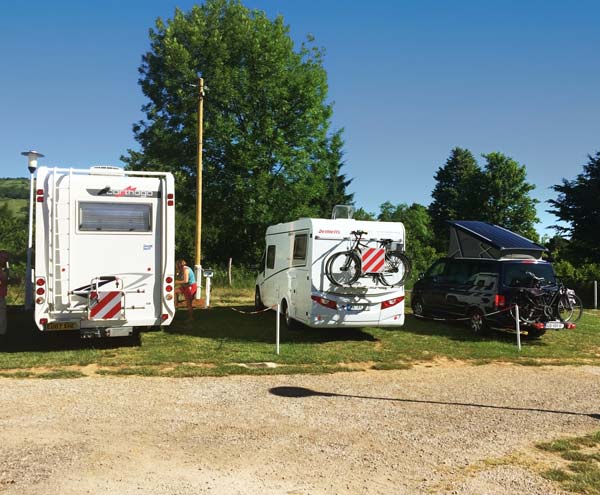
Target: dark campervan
[{"x": 485, "y": 266}]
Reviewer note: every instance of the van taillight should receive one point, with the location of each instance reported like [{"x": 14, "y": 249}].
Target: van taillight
[
  {"x": 40, "y": 281},
  {"x": 43, "y": 321},
  {"x": 391, "y": 302},
  {"x": 165, "y": 317},
  {"x": 40, "y": 291},
  {"x": 499, "y": 301},
  {"x": 169, "y": 280},
  {"x": 324, "y": 302}
]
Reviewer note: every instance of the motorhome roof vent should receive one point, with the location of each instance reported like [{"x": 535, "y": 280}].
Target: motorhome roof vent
[
  {"x": 106, "y": 170},
  {"x": 342, "y": 211}
]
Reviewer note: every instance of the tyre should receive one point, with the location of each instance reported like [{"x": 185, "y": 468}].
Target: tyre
[
  {"x": 288, "y": 322},
  {"x": 396, "y": 269},
  {"x": 258, "y": 304},
  {"x": 570, "y": 308},
  {"x": 535, "y": 333},
  {"x": 343, "y": 268},
  {"x": 417, "y": 307},
  {"x": 477, "y": 322}
]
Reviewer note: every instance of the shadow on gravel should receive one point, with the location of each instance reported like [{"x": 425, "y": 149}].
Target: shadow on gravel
[
  {"x": 225, "y": 323},
  {"x": 300, "y": 392}
]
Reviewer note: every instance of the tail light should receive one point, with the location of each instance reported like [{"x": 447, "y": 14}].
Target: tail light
[
  {"x": 538, "y": 325},
  {"x": 392, "y": 302},
  {"x": 165, "y": 316},
  {"x": 324, "y": 302},
  {"x": 40, "y": 281},
  {"x": 169, "y": 280},
  {"x": 43, "y": 321},
  {"x": 169, "y": 288},
  {"x": 570, "y": 326},
  {"x": 40, "y": 291},
  {"x": 499, "y": 301}
]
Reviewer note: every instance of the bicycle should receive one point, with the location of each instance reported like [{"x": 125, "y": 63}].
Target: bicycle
[
  {"x": 541, "y": 303},
  {"x": 346, "y": 267}
]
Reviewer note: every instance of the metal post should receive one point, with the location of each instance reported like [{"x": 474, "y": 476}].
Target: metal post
[
  {"x": 595, "y": 294},
  {"x": 198, "y": 263},
  {"x": 207, "y": 291},
  {"x": 277, "y": 329},
  {"x": 517, "y": 319}
]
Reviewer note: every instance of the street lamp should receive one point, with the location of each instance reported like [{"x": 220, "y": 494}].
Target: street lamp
[
  {"x": 32, "y": 159},
  {"x": 198, "y": 259}
]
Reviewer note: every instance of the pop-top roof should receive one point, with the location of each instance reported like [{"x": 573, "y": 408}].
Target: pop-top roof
[{"x": 473, "y": 239}]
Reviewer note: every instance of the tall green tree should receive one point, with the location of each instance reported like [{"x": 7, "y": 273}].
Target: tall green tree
[
  {"x": 269, "y": 153},
  {"x": 456, "y": 194},
  {"x": 506, "y": 195},
  {"x": 578, "y": 205}
]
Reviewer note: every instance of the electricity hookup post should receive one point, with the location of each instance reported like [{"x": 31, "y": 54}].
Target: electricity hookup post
[
  {"x": 32, "y": 158},
  {"x": 198, "y": 260}
]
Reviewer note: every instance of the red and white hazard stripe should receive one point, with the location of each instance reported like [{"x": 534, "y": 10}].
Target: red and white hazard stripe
[
  {"x": 106, "y": 306},
  {"x": 373, "y": 260}
]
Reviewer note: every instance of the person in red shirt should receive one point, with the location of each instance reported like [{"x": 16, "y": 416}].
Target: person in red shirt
[{"x": 3, "y": 291}]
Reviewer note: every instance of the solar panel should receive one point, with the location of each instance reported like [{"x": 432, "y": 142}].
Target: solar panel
[{"x": 499, "y": 239}]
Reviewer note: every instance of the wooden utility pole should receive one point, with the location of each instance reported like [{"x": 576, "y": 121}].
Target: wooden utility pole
[{"x": 198, "y": 260}]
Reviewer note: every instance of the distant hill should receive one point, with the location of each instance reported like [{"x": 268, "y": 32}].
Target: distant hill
[{"x": 15, "y": 194}]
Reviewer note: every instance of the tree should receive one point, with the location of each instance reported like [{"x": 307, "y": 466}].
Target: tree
[
  {"x": 498, "y": 194},
  {"x": 419, "y": 233},
  {"x": 269, "y": 154},
  {"x": 578, "y": 205},
  {"x": 456, "y": 194},
  {"x": 506, "y": 199}
]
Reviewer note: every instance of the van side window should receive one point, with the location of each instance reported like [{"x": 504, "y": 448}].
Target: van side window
[
  {"x": 436, "y": 270},
  {"x": 271, "y": 257},
  {"x": 115, "y": 217},
  {"x": 300, "y": 249},
  {"x": 457, "y": 272}
]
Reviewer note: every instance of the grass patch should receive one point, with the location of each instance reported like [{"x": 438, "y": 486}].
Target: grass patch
[
  {"x": 581, "y": 472},
  {"x": 219, "y": 339},
  {"x": 52, "y": 374}
]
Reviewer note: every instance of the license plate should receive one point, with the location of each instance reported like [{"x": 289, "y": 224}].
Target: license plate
[
  {"x": 355, "y": 307},
  {"x": 63, "y": 325},
  {"x": 554, "y": 324}
]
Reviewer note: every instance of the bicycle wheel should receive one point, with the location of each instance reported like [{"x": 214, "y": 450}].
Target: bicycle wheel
[
  {"x": 570, "y": 308},
  {"x": 396, "y": 269},
  {"x": 343, "y": 268},
  {"x": 529, "y": 312}
]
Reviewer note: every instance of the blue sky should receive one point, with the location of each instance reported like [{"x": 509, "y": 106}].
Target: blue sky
[{"x": 409, "y": 81}]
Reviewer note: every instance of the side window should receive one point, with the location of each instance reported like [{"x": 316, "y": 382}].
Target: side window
[
  {"x": 436, "y": 270},
  {"x": 299, "y": 256},
  {"x": 271, "y": 257},
  {"x": 458, "y": 272}
]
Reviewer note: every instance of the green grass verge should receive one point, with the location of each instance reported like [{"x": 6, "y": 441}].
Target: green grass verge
[
  {"x": 581, "y": 473},
  {"x": 219, "y": 339}
]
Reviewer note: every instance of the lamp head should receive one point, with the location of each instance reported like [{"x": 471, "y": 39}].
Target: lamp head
[{"x": 32, "y": 158}]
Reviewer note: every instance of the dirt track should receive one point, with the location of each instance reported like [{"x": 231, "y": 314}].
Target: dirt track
[{"x": 424, "y": 430}]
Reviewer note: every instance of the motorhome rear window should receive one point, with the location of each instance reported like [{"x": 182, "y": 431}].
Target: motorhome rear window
[
  {"x": 300, "y": 247},
  {"x": 115, "y": 217}
]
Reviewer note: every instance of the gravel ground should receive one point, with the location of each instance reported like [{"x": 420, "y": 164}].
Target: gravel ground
[{"x": 424, "y": 430}]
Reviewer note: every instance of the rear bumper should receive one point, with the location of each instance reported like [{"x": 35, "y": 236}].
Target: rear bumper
[{"x": 371, "y": 316}]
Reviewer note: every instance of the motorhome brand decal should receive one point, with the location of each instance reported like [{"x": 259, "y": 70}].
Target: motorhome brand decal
[
  {"x": 373, "y": 260},
  {"x": 329, "y": 231},
  {"x": 127, "y": 192},
  {"x": 106, "y": 306}
]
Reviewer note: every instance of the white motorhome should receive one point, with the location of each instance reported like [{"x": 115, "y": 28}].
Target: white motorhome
[
  {"x": 294, "y": 274},
  {"x": 104, "y": 250}
]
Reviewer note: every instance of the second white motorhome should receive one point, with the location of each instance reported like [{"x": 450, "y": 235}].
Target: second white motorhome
[
  {"x": 297, "y": 273},
  {"x": 104, "y": 250}
]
